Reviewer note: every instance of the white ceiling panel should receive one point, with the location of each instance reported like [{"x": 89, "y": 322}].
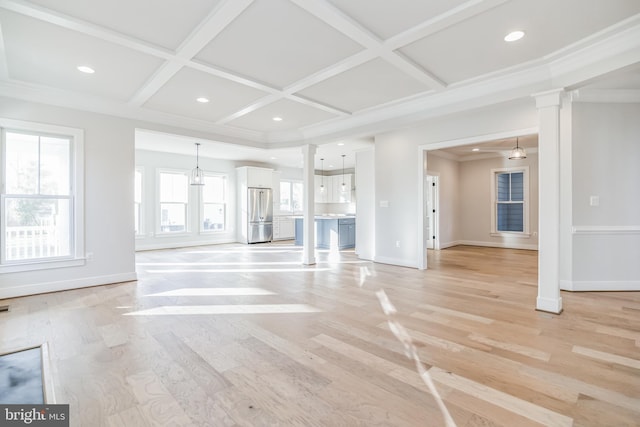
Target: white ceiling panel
[
  {"x": 476, "y": 46},
  {"x": 165, "y": 23},
  {"x": 178, "y": 95},
  {"x": 277, "y": 43},
  {"x": 372, "y": 83},
  {"x": 387, "y": 18},
  {"x": 293, "y": 114},
  {"x": 48, "y": 55}
]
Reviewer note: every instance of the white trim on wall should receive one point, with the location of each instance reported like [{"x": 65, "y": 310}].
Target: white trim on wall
[
  {"x": 600, "y": 285},
  {"x": 63, "y": 285},
  {"x": 504, "y": 245},
  {"x": 605, "y": 229}
]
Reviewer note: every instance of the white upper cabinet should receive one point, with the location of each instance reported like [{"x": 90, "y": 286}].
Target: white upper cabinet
[{"x": 256, "y": 177}]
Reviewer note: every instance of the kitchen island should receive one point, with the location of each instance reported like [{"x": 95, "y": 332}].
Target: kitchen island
[{"x": 331, "y": 232}]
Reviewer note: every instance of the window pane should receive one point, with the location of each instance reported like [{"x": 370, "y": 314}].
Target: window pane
[
  {"x": 21, "y": 163},
  {"x": 173, "y": 217},
  {"x": 510, "y": 217},
  {"x": 54, "y": 166},
  {"x": 137, "y": 187},
  {"x": 213, "y": 190},
  {"x": 37, "y": 228},
  {"x": 502, "y": 184},
  {"x": 285, "y": 196},
  {"x": 213, "y": 216},
  {"x": 297, "y": 196},
  {"x": 173, "y": 187},
  {"x": 517, "y": 187}
]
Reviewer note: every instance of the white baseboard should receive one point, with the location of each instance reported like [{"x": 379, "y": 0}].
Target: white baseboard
[
  {"x": 64, "y": 285},
  {"x": 450, "y": 244},
  {"x": 504, "y": 245},
  {"x": 394, "y": 261},
  {"x": 187, "y": 244},
  {"x": 600, "y": 285}
]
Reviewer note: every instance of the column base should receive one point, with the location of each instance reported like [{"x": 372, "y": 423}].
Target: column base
[{"x": 550, "y": 305}]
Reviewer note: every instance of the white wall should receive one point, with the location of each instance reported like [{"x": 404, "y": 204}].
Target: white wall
[
  {"x": 150, "y": 162},
  {"x": 398, "y": 164},
  {"x": 605, "y": 163},
  {"x": 365, "y": 204},
  {"x": 109, "y": 166},
  {"x": 476, "y": 203},
  {"x": 449, "y": 196}
]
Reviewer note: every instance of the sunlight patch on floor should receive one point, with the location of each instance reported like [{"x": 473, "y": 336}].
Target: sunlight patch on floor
[
  {"x": 189, "y": 292},
  {"x": 226, "y": 309}
]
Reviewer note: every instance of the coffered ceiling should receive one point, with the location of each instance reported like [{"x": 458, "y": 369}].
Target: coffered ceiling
[{"x": 327, "y": 68}]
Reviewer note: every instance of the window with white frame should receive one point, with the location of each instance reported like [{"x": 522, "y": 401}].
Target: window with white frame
[
  {"x": 137, "y": 201},
  {"x": 214, "y": 204},
  {"x": 291, "y": 193},
  {"x": 510, "y": 200},
  {"x": 41, "y": 207},
  {"x": 174, "y": 201}
]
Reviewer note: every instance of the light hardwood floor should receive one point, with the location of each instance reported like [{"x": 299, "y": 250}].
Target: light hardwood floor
[{"x": 246, "y": 335}]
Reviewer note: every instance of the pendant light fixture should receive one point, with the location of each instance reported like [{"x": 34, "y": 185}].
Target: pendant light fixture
[
  {"x": 322, "y": 175},
  {"x": 344, "y": 186},
  {"x": 197, "y": 176},
  {"x": 517, "y": 152}
]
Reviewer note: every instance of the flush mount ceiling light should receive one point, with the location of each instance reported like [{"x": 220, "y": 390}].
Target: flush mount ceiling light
[
  {"x": 517, "y": 152},
  {"x": 322, "y": 175},
  {"x": 197, "y": 176},
  {"x": 86, "y": 69},
  {"x": 340, "y": 143},
  {"x": 202, "y": 100},
  {"x": 277, "y": 119},
  {"x": 475, "y": 149},
  {"x": 514, "y": 36}
]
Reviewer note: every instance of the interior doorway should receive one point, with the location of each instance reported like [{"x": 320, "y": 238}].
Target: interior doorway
[{"x": 432, "y": 211}]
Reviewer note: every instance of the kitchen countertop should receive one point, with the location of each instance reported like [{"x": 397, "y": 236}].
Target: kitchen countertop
[{"x": 334, "y": 216}]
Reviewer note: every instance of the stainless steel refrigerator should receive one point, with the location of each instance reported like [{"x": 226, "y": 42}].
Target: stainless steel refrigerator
[{"x": 259, "y": 215}]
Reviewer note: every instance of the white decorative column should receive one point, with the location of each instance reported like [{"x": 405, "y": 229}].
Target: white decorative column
[
  {"x": 548, "y": 104},
  {"x": 308, "y": 205}
]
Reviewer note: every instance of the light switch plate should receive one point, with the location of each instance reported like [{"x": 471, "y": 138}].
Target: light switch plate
[{"x": 594, "y": 201}]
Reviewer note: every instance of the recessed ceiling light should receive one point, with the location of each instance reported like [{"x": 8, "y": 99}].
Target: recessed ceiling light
[
  {"x": 277, "y": 119},
  {"x": 340, "y": 143},
  {"x": 86, "y": 69},
  {"x": 202, "y": 100},
  {"x": 476, "y": 149},
  {"x": 273, "y": 158},
  {"x": 513, "y": 36},
  {"x": 330, "y": 166}
]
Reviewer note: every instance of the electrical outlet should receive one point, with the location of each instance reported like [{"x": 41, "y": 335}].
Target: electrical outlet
[{"x": 397, "y": 243}]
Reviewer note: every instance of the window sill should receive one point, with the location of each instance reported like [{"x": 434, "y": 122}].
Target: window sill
[
  {"x": 515, "y": 234},
  {"x": 42, "y": 265},
  {"x": 174, "y": 234}
]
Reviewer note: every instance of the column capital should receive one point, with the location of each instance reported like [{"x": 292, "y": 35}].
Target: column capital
[{"x": 549, "y": 98}]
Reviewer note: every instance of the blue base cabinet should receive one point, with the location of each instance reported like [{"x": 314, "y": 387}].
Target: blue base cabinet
[{"x": 331, "y": 233}]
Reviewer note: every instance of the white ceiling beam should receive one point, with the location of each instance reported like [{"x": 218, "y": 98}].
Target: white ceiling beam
[
  {"x": 450, "y": 17},
  {"x": 352, "y": 29},
  {"x": 269, "y": 99},
  {"x": 233, "y": 77},
  {"x": 319, "y": 105},
  {"x": 209, "y": 28}
]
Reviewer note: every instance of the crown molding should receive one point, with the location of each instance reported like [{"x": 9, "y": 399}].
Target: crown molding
[{"x": 622, "y": 96}]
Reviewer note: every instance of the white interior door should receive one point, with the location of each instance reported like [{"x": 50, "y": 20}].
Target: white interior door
[{"x": 431, "y": 211}]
